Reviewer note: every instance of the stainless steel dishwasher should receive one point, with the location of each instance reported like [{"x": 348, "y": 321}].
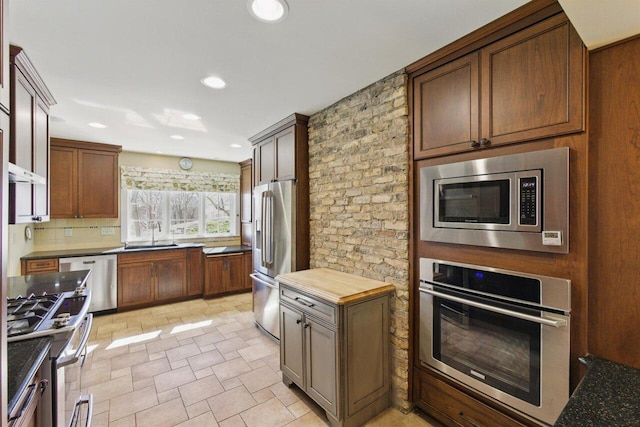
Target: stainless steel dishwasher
[{"x": 103, "y": 280}]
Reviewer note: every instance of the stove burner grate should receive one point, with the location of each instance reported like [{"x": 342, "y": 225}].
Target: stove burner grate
[{"x": 24, "y": 315}]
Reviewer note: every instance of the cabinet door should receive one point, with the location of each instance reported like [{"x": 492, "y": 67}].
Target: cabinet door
[
  {"x": 286, "y": 154},
  {"x": 97, "y": 184},
  {"x": 171, "y": 278},
  {"x": 321, "y": 369},
  {"x": 41, "y": 160},
  {"x": 234, "y": 273},
  {"x": 246, "y": 203},
  {"x": 446, "y": 103},
  {"x": 267, "y": 159},
  {"x": 292, "y": 345},
  {"x": 195, "y": 283},
  {"x": 22, "y": 147},
  {"x": 533, "y": 83},
  {"x": 248, "y": 269},
  {"x": 135, "y": 283},
  {"x": 214, "y": 275},
  {"x": 63, "y": 182}
]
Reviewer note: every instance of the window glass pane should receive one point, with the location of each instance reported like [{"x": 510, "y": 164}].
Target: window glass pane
[
  {"x": 184, "y": 211},
  {"x": 145, "y": 211},
  {"x": 219, "y": 213}
]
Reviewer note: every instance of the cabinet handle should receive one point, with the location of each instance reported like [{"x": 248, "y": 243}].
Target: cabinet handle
[
  {"x": 30, "y": 396},
  {"x": 484, "y": 142},
  {"x": 298, "y": 321},
  {"x": 37, "y": 218},
  {"x": 304, "y": 302},
  {"x": 474, "y": 144},
  {"x": 467, "y": 419},
  {"x": 43, "y": 386},
  {"x": 306, "y": 325}
]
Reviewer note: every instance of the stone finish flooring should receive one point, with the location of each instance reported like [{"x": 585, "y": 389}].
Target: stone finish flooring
[{"x": 196, "y": 363}]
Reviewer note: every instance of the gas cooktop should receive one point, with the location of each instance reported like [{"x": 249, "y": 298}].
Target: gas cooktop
[{"x": 24, "y": 315}]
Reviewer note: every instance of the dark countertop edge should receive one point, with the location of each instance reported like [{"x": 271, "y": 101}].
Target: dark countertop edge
[
  {"x": 38, "y": 351},
  {"x": 607, "y": 395},
  {"x": 227, "y": 250},
  {"x": 69, "y": 253}
]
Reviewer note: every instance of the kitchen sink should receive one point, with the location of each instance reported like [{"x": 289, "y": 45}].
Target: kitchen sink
[{"x": 155, "y": 246}]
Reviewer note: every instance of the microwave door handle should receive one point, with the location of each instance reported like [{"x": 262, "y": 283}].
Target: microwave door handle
[
  {"x": 558, "y": 323},
  {"x": 71, "y": 359}
]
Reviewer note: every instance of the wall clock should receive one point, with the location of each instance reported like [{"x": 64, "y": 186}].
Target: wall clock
[{"x": 185, "y": 163}]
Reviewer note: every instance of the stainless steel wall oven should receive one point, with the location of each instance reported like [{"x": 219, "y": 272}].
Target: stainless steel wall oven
[{"x": 503, "y": 333}]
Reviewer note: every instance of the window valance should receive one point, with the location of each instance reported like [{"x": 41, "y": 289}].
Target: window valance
[{"x": 138, "y": 178}]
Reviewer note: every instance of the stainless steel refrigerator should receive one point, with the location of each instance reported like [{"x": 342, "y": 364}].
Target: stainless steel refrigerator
[{"x": 274, "y": 248}]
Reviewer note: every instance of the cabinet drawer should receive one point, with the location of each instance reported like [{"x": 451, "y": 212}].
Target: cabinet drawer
[
  {"x": 453, "y": 407},
  {"x": 309, "y": 304},
  {"x": 40, "y": 265},
  {"x": 151, "y": 255}
]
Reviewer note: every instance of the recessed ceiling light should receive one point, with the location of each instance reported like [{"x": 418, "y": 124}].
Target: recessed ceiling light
[
  {"x": 177, "y": 137},
  {"x": 235, "y": 146},
  {"x": 97, "y": 125},
  {"x": 213, "y": 82},
  {"x": 190, "y": 116},
  {"x": 268, "y": 10}
]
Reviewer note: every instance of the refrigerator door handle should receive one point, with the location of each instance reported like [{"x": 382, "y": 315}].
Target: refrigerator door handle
[
  {"x": 263, "y": 233},
  {"x": 270, "y": 205}
]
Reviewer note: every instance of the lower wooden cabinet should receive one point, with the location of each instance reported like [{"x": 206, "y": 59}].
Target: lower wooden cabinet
[
  {"x": 337, "y": 354},
  {"x": 149, "y": 277},
  {"x": 195, "y": 261},
  {"x": 226, "y": 273},
  {"x": 452, "y": 407}
]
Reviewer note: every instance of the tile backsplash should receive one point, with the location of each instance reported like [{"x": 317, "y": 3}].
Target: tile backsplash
[{"x": 76, "y": 233}]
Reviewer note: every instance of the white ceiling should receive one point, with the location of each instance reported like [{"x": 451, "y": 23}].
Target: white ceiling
[{"x": 136, "y": 65}]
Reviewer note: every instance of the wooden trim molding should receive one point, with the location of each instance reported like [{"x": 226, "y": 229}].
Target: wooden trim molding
[
  {"x": 22, "y": 61},
  {"x": 524, "y": 16},
  {"x": 70, "y": 143},
  {"x": 294, "y": 119}
]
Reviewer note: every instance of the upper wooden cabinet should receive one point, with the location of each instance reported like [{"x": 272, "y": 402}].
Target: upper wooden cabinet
[
  {"x": 281, "y": 152},
  {"x": 4, "y": 57},
  {"x": 29, "y": 143},
  {"x": 84, "y": 179},
  {"x": 528, "y": 85},
  {"x": 246, "y": 202}
]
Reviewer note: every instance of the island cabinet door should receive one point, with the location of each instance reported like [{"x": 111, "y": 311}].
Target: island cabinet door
[
  {"x": 292, "y": 345},
  {"x": 321, "y": 347}
]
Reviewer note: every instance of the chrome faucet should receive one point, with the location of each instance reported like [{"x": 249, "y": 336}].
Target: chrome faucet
[{"x": 153, "y": 229}]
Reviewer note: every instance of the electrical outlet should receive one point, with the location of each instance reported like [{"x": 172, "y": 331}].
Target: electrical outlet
[
  {"x": 68, "y": 232},
  {"x": 107, "y": 231}
]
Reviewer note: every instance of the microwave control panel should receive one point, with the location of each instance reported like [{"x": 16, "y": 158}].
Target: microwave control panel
[{"x": 528, "y": 200}]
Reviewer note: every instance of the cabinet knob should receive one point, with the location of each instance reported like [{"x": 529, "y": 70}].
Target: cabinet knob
[
  {"x": 474, "y": 144},
  {"x": 298, "y": 321},
  {"x": 306, "y": 325},
  {"x": 484, "y": 142}
]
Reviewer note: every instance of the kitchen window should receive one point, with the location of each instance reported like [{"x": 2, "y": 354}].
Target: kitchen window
[{"x": 178, "y": 215}]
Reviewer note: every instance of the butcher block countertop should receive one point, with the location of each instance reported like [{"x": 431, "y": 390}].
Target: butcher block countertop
[{"x": 334, "y": 286}]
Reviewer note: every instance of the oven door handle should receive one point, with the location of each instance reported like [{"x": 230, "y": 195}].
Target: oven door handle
[
  {"x": 556, "y": 323},
  {"x": 82, "y": 400},
  {"x": 71, "y": 359}
]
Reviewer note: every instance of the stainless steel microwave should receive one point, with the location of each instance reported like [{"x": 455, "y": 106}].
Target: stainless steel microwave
[{"x": 519, "y": 201}]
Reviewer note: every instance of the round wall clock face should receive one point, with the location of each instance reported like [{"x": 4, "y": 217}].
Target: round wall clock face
[{"x": 186, "y": 163}]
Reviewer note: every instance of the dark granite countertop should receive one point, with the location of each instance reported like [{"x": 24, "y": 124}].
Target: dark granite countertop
[
  {"x": 25, "y": 358},
  {"x": 51, "y": 283},
  {"x": 221, "y": 250},
  {"x": 608, "y": 395},
  {"x": 66, "y": 253}
]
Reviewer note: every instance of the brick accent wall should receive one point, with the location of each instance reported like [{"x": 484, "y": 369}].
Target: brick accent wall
[{"x": 358, "y": 173}]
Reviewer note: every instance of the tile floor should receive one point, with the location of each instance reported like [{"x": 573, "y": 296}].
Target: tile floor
[{"x": 196, "y": 363}]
